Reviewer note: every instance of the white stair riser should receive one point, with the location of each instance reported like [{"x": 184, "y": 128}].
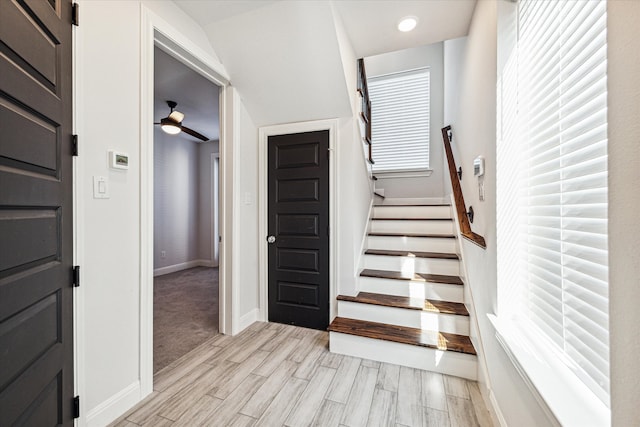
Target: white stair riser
[
  {"x": 406, "y": 288},
  {"x": 425, "y": 244},
  {"x": 412, "y": 212},
  {"x": 444, "y": 227},
  {"x": 446, "y": 362},
  {"x": 405, "y": 317},
  {"x": 450, "y": 267}
]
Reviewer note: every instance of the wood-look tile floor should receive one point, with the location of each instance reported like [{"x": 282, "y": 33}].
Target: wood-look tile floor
[{"x": 280, "y": 375}]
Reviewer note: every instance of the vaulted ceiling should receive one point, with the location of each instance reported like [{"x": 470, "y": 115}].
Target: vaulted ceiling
[{"x": 284, "y": 56}]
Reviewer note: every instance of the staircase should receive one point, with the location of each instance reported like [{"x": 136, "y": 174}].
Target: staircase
[{"x": 410, "y": 309}]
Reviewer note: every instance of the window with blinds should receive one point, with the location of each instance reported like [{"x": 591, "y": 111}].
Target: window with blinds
[
  {"x": 557, "y": 209},
  {"x": 400, "y": 121}
]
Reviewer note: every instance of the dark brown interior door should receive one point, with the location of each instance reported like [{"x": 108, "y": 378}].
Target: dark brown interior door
[
  {"x": 36, "y": 324},
  {"x": 299, "y": 229}
]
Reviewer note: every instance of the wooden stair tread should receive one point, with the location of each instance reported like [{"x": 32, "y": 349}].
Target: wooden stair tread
[
  {"x": 403, "y": 335},
  {"x": 388, "y": 234},
  {"x": 416, "y": 277},
  {"x": 411, "y": 219},
  {"x": 416, "y": 254},
  {"x": 434, "y": 306}
]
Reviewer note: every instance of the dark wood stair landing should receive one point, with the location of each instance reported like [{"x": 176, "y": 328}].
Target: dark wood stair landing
[
  {"x": 433, "y": 306},
  {"x": 416, "y": 277},
  {"x": 403, "y": 335}
]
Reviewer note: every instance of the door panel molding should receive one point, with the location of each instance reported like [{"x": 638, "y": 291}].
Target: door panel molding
[
  {"x": 37, "y": 369},
  {"x": 263, "y": 169}
]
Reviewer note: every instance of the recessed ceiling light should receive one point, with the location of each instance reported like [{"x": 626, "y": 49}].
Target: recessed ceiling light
[{"x": 407, "y": 23}]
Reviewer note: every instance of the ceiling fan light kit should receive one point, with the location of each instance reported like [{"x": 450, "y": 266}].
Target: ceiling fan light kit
[{"x": 172, "y": 124}]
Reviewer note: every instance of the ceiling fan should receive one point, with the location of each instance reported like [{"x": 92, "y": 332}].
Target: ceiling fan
[{"x": 172, "y": 124}]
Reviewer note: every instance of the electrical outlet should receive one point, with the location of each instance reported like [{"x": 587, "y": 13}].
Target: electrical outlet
[{"x": 163, "y": 254}]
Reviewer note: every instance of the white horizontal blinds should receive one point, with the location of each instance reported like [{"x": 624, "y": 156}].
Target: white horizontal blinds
[
  {"x": 400, "y": 120},
  {"x": 563, "y": 109}
]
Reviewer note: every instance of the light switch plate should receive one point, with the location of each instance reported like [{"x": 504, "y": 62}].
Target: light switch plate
[{"x": 100, "y": 187}]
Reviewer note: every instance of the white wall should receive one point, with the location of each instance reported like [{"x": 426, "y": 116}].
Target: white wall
[
  {"x": 108, "y": 87},
  {"x": 454, "y": 52},
  {"x": 354, "y": 196},
  {"x": 246, "y": 215},
  {"x": 470, "y": 108},
  {"x": 624, "y": 203},
  {"x": 424, "y": 56},
  {"x": 182, "y": 208},
  {"x": 176, "y": 183},
  {"x": 354, "y": 199},
  {"x": 471, "y": 76},
  {"x": 284, "y": 54}
]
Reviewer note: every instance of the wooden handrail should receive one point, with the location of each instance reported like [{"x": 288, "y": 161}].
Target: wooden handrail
[
  {"x": 461, "y": 209},
  {"x": 363, "y": 89}
]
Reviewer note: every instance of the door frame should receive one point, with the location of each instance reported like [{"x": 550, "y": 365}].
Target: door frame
[
  {"x": 263, "y": 206},
  {"x": 215, "y": 205},
  {"x": 156, "y": 32}
]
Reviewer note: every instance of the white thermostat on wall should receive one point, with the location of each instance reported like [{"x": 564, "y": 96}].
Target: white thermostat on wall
[
  {"x": 118, "y": 160},
  {"x": 478, "y": 166}
]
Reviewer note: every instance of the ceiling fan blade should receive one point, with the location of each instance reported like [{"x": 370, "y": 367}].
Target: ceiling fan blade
[
  {"x": 194, "y": 133},
  {"x": 176, "y": 116}
]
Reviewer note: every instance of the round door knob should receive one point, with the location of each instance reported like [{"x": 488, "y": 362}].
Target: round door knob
[{"x": 271, "y": 239}]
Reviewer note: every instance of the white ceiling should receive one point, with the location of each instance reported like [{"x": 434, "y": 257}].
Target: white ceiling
[
  {"x": 206, "y": 12},
  {"x": 284, "y": 56},
  {"x": 196, "y": 96},
  {"x": 372, "y": 25},
  {"x": 285, "y": 61}
]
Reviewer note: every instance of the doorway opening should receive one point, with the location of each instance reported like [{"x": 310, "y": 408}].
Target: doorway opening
[{"x": 185, "y": 205}]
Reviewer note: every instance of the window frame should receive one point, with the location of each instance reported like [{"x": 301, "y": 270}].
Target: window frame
[
  {"x": 549, "y": 373},
  {"x": 412, "y": 168}
]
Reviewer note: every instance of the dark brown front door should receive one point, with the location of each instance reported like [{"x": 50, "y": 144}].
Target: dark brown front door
[
  {"x": 36, "y": 327},
  {"x": 299, "y": 229}
]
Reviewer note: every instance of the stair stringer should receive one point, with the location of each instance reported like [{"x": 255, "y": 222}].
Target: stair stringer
[
  {"x": 364, "y": 242},
  {"x": 445, "y": 362},
  {"x": 474, "y": 333}
]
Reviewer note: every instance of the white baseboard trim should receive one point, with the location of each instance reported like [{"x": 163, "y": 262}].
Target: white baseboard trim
[
  {"x": 247, "y": 319},
  {"x": 184, "y": 266},
  {"x": 207, "y": 263},
  {"x": 414, "y": 201},
  {"x": 115, "y": 406},
  {"x": 494, "y": 410}
]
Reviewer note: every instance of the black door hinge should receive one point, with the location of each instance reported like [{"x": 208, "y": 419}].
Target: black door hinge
[
  {"x": 74, "y": 145},
  {"x": 76, "y": 407},
  {"x": 76, "y": 276},
  {"x": 74, "y": 14}
]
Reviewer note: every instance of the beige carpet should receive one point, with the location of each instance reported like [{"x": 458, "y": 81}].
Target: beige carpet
[{"x": 185, "y": 313}]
